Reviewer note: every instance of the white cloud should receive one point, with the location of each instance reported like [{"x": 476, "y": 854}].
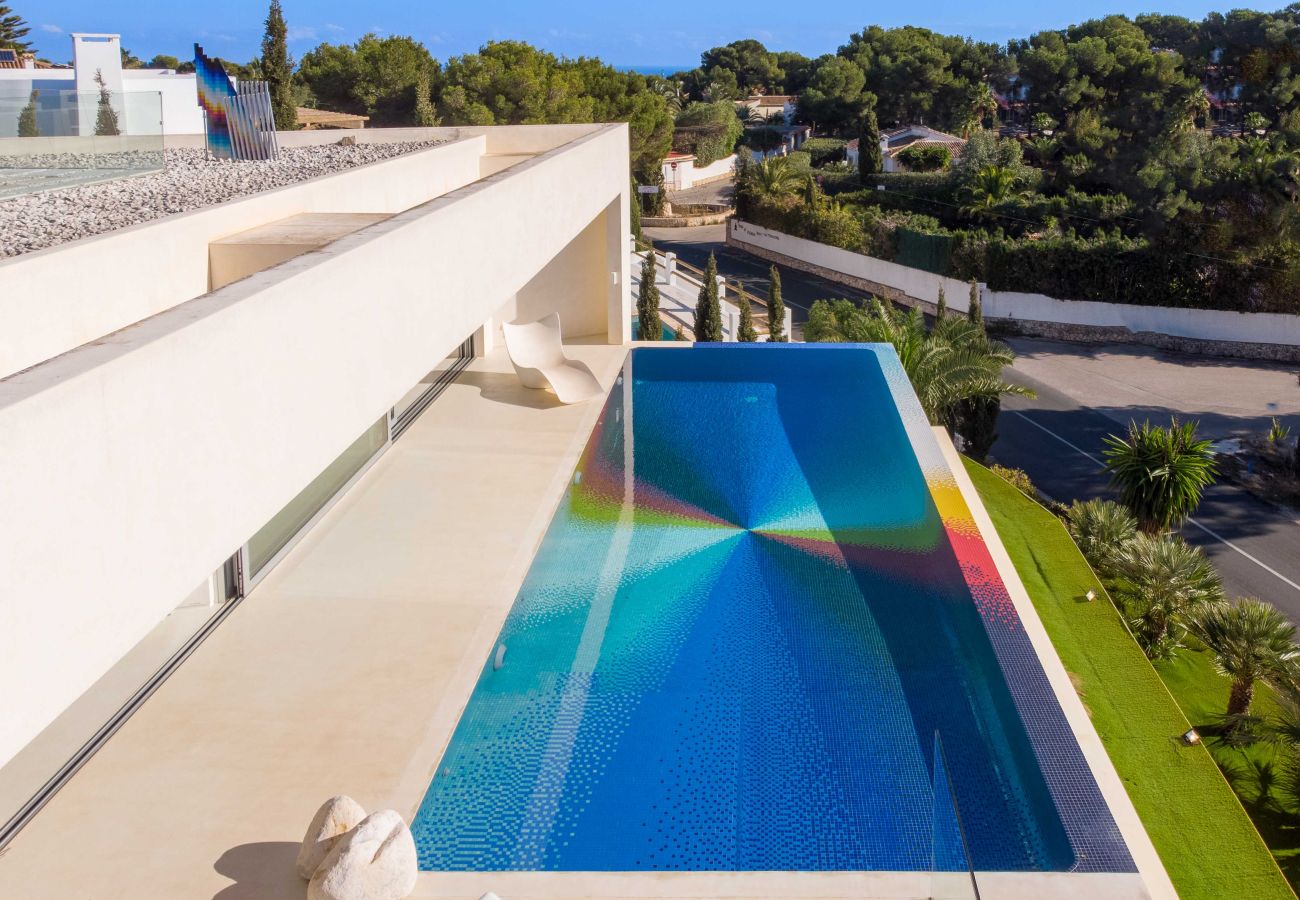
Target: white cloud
[
  {"x": 301, "y": 33},
  {"x": 52, "y": 29},
  {"x": 330, "y": 26}
]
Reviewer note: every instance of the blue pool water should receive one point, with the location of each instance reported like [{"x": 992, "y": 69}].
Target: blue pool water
[
  {"x": 667, "y": 334},
  {"x": 746, "y": 624}
]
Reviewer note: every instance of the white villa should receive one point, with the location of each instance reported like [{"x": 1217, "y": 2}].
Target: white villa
[{"x": 227, "y": 404}]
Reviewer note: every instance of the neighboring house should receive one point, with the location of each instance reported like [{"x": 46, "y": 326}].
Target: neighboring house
[
  {"x": 899, "y": 139},
  {"x": 147, "y": 101},
  {"x": 13, "y": 59},
  {"x": 769, "y": 105},
  {"x": 792, "y": 138}
]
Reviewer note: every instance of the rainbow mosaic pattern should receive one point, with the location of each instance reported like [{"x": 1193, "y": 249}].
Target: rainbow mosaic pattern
[{"x": 759, "y": 600}]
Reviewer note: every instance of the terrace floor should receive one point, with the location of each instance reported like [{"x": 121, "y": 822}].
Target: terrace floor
[{"x": 343, "y": 672}]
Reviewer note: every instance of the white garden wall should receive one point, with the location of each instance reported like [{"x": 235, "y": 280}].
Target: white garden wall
[{"x": 1267, "y": 335}]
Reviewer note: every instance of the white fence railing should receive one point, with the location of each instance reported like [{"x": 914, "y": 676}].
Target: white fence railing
[{"x": 683, "y": 283}]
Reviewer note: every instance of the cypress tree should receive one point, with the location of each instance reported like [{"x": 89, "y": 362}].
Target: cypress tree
[
  {"x": 973, "y": 311},
  {"x": 708, "y": 309},
  {"x": 870, "y": 161},
  {"x": 425, "y": 115},
  {"x": 27, "y": 118},
  {"x": 647, "y": 302},
  {"x": 636, "y": 213},
  {"x": 106, "y": 116},
  {"x": 277, "y": 69},
  {"x": 678, "y": 334},
  {"x": 775, "y": 309},
  {"x": 746, "y": 333},
  {"x": 941, "y": 308}
]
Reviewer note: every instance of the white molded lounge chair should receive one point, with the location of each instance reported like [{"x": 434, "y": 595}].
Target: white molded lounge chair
[{"x": 538, "y": 357}]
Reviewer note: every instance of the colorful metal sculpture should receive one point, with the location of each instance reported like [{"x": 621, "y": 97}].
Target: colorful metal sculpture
[{"x": 239, "y": 122}]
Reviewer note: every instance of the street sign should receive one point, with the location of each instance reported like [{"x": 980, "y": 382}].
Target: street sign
[{"x": 647, "y": 188}]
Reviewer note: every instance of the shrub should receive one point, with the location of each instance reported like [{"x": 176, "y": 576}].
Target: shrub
[
  {"x": 925, "y": 157},
  {"x": 832, "y": 224},
  {"x": 824, "y": 150},
  {"x": 1102, "y": 529},
  {"x": 709, "y": 130},
  {"x": 800, "y": 161},
  {"x": 1164, "y": 583},
  {"x": 1017, "y": 478}
]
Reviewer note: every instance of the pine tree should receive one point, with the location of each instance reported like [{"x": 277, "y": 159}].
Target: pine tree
[
  {"x": 27, "y": 118},
  {"x": 746, "y": 333},
  {"x": 870, "y": 161},
  {"x": 973, "y": 311},
  {"x": 941, "y": 308},
  {"x": 12, "y": 30},
  {"x": 775, "y": 309},
  {"x": 708, "y": 309},
  {"x": 425, "y": 115},
  {"x": 277, "y": 69},
  {"x": 106, "y": 116},
  {"x": 647, "y": 302}
]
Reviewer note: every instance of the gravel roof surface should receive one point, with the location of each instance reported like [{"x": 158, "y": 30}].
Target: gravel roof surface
[{"x": 190, "y": 181}]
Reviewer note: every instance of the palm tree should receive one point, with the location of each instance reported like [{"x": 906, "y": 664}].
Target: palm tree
[
  {"x": 1160, "y": 473},
  {"x": 1164, "y": 583},
  {"x": 991, "y": 187},
  {"x": 981, "y": 104},
  {"x": 775, "y": 178},
  {"x": 1251, "y": 641},
  {"x": 1102, "y": 529},
  {"x": 1197, "y": 108},
  {"x": 953, "y": 362}
]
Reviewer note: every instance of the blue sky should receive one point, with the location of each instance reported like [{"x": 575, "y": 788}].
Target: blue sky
[{"x": 619, "y": 32}]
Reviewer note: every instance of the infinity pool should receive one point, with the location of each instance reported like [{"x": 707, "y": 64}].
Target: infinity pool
[{"x": 760, "y": 599}]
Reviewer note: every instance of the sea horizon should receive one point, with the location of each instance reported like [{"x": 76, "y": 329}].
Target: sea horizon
[{"x": 664, "y": 71}]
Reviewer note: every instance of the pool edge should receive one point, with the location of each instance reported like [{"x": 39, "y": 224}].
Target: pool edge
[{"x": 1139, "y": 844}]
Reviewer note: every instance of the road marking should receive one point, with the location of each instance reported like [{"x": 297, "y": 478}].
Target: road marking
[{"x": 1218, "y": 537}]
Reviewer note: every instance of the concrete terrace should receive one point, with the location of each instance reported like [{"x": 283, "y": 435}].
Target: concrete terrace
[{"x": 348, "y": 666}]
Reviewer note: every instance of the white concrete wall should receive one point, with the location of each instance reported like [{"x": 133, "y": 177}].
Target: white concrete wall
[
  {"x": 913, "y": 282},
  {"x": 689, "y": 173},
  {"x": 71, "y": 294},
  {"x": 133, "y": 466},
  {"x": 716, "y": 169},
  {"x": 574, "y": 284},
  {"x": 1200, "y": 324}
]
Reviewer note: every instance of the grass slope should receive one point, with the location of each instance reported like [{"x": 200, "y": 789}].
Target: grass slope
[
  {"x": 1203, "y": 835},
  {"x": 1203, "y": 694}
]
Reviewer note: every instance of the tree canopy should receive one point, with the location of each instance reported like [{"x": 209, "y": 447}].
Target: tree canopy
[{"x": 13, "y": 30}]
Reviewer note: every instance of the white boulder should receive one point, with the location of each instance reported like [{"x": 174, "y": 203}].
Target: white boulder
[
  {"x": 374, "y": 861},
  {"x": 335, "y": 818}
]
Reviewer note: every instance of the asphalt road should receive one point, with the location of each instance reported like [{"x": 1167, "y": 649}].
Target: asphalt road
[
  {"x": 799, "y": 291},
  {"x": 1255, "y": 547},
  {"x": 1058, "y": 442}
]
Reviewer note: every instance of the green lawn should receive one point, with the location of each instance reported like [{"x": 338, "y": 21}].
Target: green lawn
[
  {"x": 1204, "y": 836},
  {"x": 1203, "y": 694}
]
